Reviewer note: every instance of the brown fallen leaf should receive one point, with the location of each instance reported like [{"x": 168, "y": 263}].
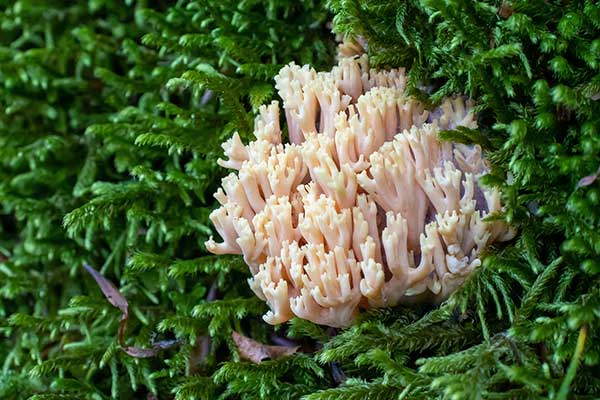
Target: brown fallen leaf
[
  {"x": 110, "y": 291},
  {"x": 255, "y": 352},
  {"x": 505, "y": 10},
  {"x": 114, "y": 297}
]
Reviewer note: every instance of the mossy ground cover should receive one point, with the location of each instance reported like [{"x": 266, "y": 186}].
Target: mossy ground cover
[{"x": 111, "y": 119}]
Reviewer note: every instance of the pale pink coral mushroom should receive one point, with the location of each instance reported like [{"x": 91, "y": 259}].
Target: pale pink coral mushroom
[{"x": 364, "y": 207}]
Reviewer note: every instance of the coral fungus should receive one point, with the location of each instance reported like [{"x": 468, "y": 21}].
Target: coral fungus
[{"x": 364, "y": 207}]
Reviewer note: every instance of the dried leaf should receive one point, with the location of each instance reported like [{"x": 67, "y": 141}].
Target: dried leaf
[
  {"x": 110, "y": 291},
  {"x": 206, "y": 97},
  {"x": 255, "y": 352},
  {"x": 114, "y": 297},
  {"x": 588, "y": 180},
  {"x": 199, "y": 353},
  {"x": 140, "y": 352},
  {"x": 337, "y": 373},
  {"x": 201, "y": 349},
  {"x": 505, "y": 10}
]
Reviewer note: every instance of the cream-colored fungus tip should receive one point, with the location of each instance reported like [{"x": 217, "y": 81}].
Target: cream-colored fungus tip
[{"x": 364, "y": 207}]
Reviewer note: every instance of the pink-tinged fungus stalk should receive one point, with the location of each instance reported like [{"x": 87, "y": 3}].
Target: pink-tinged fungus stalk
[{"x": 365, "y": 207}]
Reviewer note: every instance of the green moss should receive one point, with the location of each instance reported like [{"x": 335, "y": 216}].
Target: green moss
[{"x": 112, "y": 115}]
